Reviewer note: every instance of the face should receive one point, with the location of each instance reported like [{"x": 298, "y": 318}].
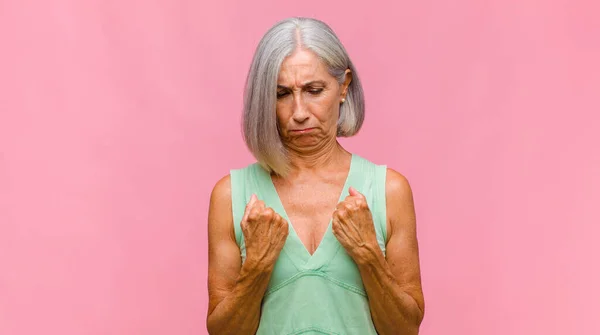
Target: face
[{"x": 308, "y": 101}]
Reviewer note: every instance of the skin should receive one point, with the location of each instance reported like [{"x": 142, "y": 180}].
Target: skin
[{"x": 308, "y": 105}]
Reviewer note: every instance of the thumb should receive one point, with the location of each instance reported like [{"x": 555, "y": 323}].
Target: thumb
[
  {"x": 253, "y": 199},
  {"x": 354, "y": 192},
  {"x": 249, "y": 207}
]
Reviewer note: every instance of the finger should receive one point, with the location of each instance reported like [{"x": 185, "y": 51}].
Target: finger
[
  {"x": 278, "y": 228},
  {"x": 256, "y": 212},
  {"x": 249, "y": 206},
  {"x": 338, "y": 230},
  {"x": 350, "y": 206},
  {"x": 271, "y": 223},
  {"x": 284, "y": 228},
  {"x": 253, "y": 199},
  {"x": 280, "y": 220},
  {"x": 267, "y": 214},
  {"x": 353, "y": 192},
  {"x": 354, "y": 202},
  {"x": 341, "y": 213},
  {"x": 342, "y": 204},
  {"x": 350, "y": 199},
  {"x": 334, "y": 227}
]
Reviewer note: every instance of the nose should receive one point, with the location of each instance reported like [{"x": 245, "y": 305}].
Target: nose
[{"x": 300, "y": 113}]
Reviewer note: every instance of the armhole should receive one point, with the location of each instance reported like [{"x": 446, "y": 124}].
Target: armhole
[
  {"x": 237, "y": 200},
  {"x": 380, "y": 181}
]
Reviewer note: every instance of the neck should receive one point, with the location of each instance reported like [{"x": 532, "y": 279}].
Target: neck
[{"x": 324, "y": 158}]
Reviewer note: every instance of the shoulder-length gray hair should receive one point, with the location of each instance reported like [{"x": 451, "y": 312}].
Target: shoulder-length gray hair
[{"x": 260, "y": 96}]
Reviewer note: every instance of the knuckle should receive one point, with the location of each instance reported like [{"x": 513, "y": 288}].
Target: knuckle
[
  {"x": 268, "y": 213},
  {"x": 253, "y": 215}
]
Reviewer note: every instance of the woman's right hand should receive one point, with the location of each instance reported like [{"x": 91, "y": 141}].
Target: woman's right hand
[{"x": 265, "y": 233}]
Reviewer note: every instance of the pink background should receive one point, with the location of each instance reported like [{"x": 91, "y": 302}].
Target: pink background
[{"x": 117, "y": 118}]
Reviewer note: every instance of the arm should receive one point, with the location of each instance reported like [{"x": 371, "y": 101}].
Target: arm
[
  {"x": 235, "y": 290},
  {"x": 393, "y": 282}
]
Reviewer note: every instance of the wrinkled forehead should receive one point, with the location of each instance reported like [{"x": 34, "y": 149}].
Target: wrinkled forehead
[{"x": 300, "y": 67}]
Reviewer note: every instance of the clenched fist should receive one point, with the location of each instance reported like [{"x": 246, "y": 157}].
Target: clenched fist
[
  {"x": 265, "y": 233},
  {"x": 352, "y": 224}
]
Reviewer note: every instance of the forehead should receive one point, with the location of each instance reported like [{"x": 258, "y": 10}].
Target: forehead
[{"x": 302, "y": 65}]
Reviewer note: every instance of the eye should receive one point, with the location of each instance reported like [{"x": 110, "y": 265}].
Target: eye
[
  {"x": 315, "y": 91},
  {"x": 281, "y": 94}
]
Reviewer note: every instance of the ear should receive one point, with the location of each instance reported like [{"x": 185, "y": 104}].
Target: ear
[{"x": 346, "y": 83}]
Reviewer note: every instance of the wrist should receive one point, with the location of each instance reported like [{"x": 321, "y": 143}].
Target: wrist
[
  {"x": 368, "y": 254},
  {"x": 253, "y": 277},
  {"x": 256, "y": 266}
]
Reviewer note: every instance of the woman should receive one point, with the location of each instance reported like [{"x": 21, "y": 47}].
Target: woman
[{"x": 311, "y": 239}]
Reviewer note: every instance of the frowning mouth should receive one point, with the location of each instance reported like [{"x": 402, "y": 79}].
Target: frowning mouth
[{"x": 301, "y": 131}]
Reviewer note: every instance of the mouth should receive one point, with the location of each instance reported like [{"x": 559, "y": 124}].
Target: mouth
[{"x": 301, "y": 131}]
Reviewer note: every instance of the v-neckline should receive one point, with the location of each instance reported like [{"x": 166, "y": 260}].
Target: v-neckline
[{"x": 299, "y": 253}]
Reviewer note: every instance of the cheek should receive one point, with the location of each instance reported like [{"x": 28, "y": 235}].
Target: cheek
[
  {"x": 283, "y": 112},
  {"x": 327, "y": 112}
]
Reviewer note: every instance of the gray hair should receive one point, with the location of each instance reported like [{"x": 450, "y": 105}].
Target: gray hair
[{"x": 260, "y": 97}]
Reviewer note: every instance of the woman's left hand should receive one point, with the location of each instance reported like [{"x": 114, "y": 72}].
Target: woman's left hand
[{"x": 352, "y": 225}]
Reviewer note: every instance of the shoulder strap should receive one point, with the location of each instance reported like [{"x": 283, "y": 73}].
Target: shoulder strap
[
  {"x": 380, "y": 203},
  {"x": 244, "y": 182},
  {"x": 373, "y": 186},
  {"x": 238, "y": 200}
]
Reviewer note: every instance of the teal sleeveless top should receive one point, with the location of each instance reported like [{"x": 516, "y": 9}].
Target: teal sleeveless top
[{"x": 320, "y": 293}]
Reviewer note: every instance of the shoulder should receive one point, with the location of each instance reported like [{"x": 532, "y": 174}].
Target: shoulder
[
  {"x": 220, "y": 218},
  {"x": 397, "y": 185},
  {"x": 221, "y": 191},
  {"x": 227, "y": 198},
  {"x": 399, "y": 202}
]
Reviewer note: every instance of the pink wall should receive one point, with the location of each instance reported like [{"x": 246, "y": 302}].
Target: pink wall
[{"x": 117, "y": 118}]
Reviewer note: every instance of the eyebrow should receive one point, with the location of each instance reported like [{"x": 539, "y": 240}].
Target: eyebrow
[{"x": 310, "y": 83}]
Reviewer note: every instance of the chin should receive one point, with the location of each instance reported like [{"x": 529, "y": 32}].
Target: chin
[{"x": 307, "y": 144}]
